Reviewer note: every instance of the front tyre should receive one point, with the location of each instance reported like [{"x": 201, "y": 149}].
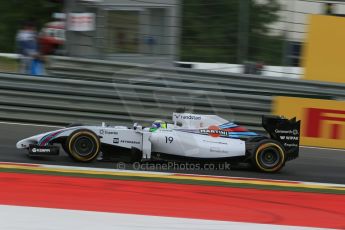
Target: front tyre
[
  {"x": 269, "y": 156},
  {"x": 83, "y": 145}
]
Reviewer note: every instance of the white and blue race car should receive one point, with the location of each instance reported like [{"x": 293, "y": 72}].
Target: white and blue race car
[{"x": 191, "y": 137}]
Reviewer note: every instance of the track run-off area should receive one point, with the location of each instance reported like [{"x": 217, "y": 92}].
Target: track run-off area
[{"x": 52, "y": 193}]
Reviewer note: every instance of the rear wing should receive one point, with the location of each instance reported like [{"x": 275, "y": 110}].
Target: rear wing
[{"x": 286, "y": 131}]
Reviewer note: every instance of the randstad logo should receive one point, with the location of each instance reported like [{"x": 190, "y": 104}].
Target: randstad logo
[
  {"x": 188, "y": 117},
  {"x": 325, "y": 123}
]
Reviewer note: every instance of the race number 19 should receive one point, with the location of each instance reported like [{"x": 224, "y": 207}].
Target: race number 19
[{"x": 169, "y": 139}]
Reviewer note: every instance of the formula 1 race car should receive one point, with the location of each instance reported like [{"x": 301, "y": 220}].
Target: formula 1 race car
[{"x": 191, "y": 137}]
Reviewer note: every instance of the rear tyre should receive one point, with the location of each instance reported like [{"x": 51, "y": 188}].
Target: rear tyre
[
  {"x": 83, "y": 145},
  {"x": 269, "y": 156}
]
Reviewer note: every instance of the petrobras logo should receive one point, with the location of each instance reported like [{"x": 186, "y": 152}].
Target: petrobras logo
[
  {"x": 187, "y": 117},
  {"x": 325, "y": 123},
  {"x": 130, "y": 142}
]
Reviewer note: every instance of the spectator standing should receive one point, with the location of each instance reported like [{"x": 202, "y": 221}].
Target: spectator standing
[{"x": 27, "y": 47}]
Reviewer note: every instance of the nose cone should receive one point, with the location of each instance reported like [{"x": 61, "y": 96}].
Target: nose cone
[
  {"x": 20, "y": 144},
  {"x": 23, "y": 144}
]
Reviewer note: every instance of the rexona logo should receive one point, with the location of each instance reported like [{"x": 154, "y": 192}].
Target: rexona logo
[
  {"x": 214, "y": 131},
  {"x": 319, "y": 120},
  {"x": 188, "y": 117}
]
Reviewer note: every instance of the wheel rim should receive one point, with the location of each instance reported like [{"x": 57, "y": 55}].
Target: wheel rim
[
  {"x": 84, "y": 146},
  {"x": 270, "y": 157}
]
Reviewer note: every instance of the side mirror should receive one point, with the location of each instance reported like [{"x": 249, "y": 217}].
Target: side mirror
[{"x": 137, "y": 127}]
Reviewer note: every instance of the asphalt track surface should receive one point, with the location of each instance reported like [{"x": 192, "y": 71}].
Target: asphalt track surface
[{"x": 314, "y": 165}]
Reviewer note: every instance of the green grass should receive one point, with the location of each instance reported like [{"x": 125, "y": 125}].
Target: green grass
[{"x": 8, "y": 65}]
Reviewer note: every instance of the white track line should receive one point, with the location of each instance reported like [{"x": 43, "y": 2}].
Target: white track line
[
  {"x": 32, "y": 218},
  {"x": 322, "y": 148},
  {"x": 30, "y": 124},
  {"x": 86, "y": 169}
]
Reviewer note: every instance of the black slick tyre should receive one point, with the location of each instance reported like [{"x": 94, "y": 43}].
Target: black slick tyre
[
  {"x": 83, "y": 145},
  {"x": 268, "y": 156}
]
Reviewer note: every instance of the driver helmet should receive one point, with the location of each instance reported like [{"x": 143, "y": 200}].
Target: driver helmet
[{"x": 159, "y": 124}]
